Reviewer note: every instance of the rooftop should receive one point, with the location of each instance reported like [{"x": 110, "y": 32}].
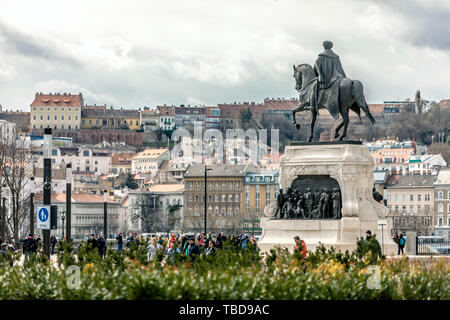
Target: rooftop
[
  {"x": 57, "y": 100},
  {"x": 150, "y": 153},
  {"x": 443, "y": 177},
  {"x": 167, "y": 188},
  {"x": 76, "y": 198},
  {"x": 217, "y": 170},
  {"x": 410, "y": 181}
]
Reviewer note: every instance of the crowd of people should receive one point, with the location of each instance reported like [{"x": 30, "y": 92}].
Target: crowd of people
[{"x": 191, "y": 246}]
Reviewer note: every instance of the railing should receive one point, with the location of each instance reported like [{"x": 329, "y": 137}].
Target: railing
[{"x": 426, "y": 245}]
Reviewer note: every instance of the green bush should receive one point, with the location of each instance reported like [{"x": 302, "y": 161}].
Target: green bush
[{"x": 231, "y": 274}]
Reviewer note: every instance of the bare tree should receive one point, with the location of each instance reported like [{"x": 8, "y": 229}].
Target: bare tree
[
  {"x": 148, "y": 212},
  {"x": 16, "y": 170}
]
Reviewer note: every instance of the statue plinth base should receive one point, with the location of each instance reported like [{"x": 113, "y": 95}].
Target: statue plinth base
[{"x": 351, "y": 165}]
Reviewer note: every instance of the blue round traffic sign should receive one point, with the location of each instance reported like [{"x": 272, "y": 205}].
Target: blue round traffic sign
[{"x": 43, "y": 214}]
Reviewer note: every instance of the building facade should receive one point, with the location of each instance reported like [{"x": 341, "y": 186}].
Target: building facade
[
  {"x": 225, "y": 200},
  {"x": 87, "y": 214},
  {"x": 442, "y": 204},
  {"x": 149, "y": 160},
  {"x": 56, "y": 111},
  {"x": 166, "y": 117},
  {"x": 410, "y": 200},
  {"x": 99, "y": 117},
  {"x": 261, "y": 188}
]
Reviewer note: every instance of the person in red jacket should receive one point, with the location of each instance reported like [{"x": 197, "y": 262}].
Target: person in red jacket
[
  {"x": 172, "y": 241},
  {"x": 300, "y": 246}
]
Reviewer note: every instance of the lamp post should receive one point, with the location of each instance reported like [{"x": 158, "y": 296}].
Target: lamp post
[
  {"x": 63, "y": 216},
  {"x": 206, "y": 194},
  {"x": 105, "y": 214},
  {"x": 32, "y": 205},
  {"x": 69, "y": 202},
  {"x": 47, "y": 183},
  {"x": 3, "y": 213}
]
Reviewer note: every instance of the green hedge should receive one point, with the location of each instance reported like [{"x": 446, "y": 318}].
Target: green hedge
[{"x": 231, "y": 274}]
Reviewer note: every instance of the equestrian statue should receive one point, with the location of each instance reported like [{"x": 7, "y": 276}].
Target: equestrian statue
[{"x": 327, "y": 87}]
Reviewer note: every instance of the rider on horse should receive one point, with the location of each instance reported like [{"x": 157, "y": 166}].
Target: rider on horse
[{"x": 328, "y": 68}]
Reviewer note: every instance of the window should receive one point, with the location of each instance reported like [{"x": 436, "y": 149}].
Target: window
[
  {"x": 390, "y": 209},
  {"x": 427, "y": 209},
  {"x": 224, "y": 211},
  {"x": 411, "y": 197},
  {"x": 196, "y": 198},
  {"x": 403, "y": 222},
  {"x": 440, "y": 195},
  {"x": 210, "y": 186},
  {"x": 419, "y": 209},
  {"x": 403, "y": 197},
  {"x": 190, "y": 198},
  {"x": 230, "y": 211},
  {"x": 236, "y": 198},
  {"x": 54, "y": 152},
  {"x": 419, "y": 197},
  {"x": 448, "y": 208},
  {"x": 448, "y": 195},
  {"x": 411, "y": 210},
  {"x": 224, "y": 186},
  {"x": 237, "y": 186},
  {"x": 196, "y": 186},
  {"x": 217, "y": 210},
  {"x": 217, "y": 186},
  {"x": 396, "y": 209},
  {"x": 62, "y": 117},
  {"x": 404, "y": 210},
  {"x": 396, "y": 198},
  {"x": 230, "y": 186},
  {"x": 389, "y": 198},
  {"x": 209, "y": 197},
  {"x": 85, "y": 153},
  {"x": 440, "y": 208},
  {"x": 440, "y": 221},
  {"x": 427, "y": 197},
  {"x": 224, "y": 198},
  {"x": 217, "y": 198}
]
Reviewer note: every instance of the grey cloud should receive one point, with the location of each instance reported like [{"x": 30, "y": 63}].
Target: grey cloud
[
  {"x": 31, "y": 47},
  {"x": 428, "y": 22}
]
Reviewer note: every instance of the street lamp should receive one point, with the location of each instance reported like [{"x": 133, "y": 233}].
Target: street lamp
[
  {"x": 105, "y": 214},
  {"x": 63, "y": 216},
  {"x": 206, "y": 193},
  {"x": 3, "y": 234}
]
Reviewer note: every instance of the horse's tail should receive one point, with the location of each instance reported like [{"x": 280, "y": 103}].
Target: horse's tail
[{"x": 357, "y": 91}]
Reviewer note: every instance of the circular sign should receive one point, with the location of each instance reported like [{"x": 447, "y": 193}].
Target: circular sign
[{"x": 43, "y": 214}]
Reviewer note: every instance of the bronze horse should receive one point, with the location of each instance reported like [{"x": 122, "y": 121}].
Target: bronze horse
[{"x": 351, "y": 96}]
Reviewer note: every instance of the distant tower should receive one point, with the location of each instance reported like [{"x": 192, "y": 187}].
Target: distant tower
[{"x": 418, "y": 103}]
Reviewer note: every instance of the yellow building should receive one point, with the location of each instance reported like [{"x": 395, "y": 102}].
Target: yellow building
[
  {"x": 99, "y": 117},
  {"x": 56, "y": 111}
]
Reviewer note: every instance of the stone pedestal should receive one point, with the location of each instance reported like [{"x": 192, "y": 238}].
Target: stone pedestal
[{"x": 351, "y": 165}]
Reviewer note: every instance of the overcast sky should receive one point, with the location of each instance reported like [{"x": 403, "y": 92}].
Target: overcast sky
[{"x": 146, "y": 53}]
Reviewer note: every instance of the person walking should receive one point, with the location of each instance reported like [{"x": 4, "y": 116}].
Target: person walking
[
  {"x": 53, "y": 242},
  {"x": 153, "y": 248},
  {"x": 92, "y": 242},
  {"x": 193, "y": 249},
  {"x": 211, "y": 250},
  {"x": 377, "y": 244},
  {"x": 130, "y": 240},
  {"x": 119, "y": 242},
  {"x": 300, "y": 247},
  {"x": 101, "y": 246},
  {"x": 29, "y": 246},
  {"x": 401, "y": 244},
  {"x": 3, "y": 254}
]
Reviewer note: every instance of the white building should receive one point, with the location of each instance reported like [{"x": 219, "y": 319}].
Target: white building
[
  {"x": 7, "y": 131},
  {"x": 82, "y": 159},
  {"x": 149, "y": 160},
  {"x": 87, "y": 214},
  {"x": 425, "y": 164}
]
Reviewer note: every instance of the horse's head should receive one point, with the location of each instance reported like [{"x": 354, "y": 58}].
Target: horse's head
[
  {"x": 303, "y": 73},
  {"x": 297, "y": 77}
]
